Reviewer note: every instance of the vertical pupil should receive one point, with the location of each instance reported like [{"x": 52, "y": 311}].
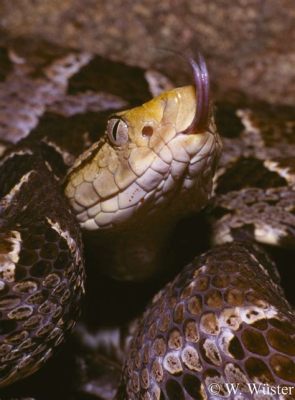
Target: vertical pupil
[{"x": 115, "y": 129}]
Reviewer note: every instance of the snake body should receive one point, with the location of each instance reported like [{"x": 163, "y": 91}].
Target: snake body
[
  {"x": 42, "y": 271},
  {"x": 224, "y": 318}
]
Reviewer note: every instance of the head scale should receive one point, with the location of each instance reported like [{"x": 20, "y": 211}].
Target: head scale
[
  {"x": 153, "y": 166},
  {"x": 168, "y": 145}
]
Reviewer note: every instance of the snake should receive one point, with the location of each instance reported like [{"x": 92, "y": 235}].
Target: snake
[{"x": 85, "y": 161}]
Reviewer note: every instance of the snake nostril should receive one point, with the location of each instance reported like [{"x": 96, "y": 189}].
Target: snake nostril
[{"x": 147, "y": 131}]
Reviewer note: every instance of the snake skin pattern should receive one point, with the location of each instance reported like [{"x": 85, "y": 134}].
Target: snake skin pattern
[
  {"x": 41, "y": 271},
  {"x": 224, "y": 318},
  {"x": 125, "y": 186},
  {"x": 43, "y": 129},
  {"x": 254, "y": 185}
]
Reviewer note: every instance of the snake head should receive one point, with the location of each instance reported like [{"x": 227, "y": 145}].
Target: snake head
[{"x": 155, "y": 159}]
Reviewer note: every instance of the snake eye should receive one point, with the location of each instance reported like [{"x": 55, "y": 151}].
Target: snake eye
[{"x": 117, "y": 131}]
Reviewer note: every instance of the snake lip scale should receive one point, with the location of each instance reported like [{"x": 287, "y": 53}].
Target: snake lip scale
[{"x": 120, "y": 184}]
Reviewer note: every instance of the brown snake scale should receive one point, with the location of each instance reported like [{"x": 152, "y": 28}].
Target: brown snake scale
[
  {"x": 39, "y": 300},
  {"x": 220, "y": 321},
  {"x": 224, "y": 318}
]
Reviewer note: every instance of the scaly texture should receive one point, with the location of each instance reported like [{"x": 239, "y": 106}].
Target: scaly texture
[
  {"x": 53, "y": 94},
  {"x": 224, "y": 319},
  {"x": 154, "y": 165},
  {"x": 254, "y": 184},
  {"x": 49, "y": 119},
  {"x": 41, "y": 270}
]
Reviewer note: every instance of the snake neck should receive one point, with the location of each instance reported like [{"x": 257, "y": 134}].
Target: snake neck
[
  {"x": 134, "y": 254},
  {"x": 141, "y": 249}
]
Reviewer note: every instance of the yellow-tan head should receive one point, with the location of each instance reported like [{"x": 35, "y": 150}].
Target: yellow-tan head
[{"x": 155, "y": 159}]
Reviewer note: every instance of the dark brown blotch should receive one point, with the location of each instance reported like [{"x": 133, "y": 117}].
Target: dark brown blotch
[
  {"x": 62, "y": 261},
  {"x": 192, "y": 385},
  {"x": 283, "y": 367},
  {"x": 235, "y": 348},
  {"x": 283, "y": 325},
  {"x": 28, "y": 257},
  {"x": 34, "y": 242},
  {"x": 49, "y": 251},
  {"x": 174, "y": 390},
  {"x": 255, "y": 342},
  {"x": 41, "y": 269},
  {"x": 257, "y": 369},
  {"x": 281, "y": 342},
  {"x": 52, "y": 235},
  {"x": 7, "y": 326}
]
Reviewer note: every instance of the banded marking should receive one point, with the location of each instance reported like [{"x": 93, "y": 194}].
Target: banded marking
[
  {"x": 7, "y": 199},
  {"x": 10, "y": 248}
]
